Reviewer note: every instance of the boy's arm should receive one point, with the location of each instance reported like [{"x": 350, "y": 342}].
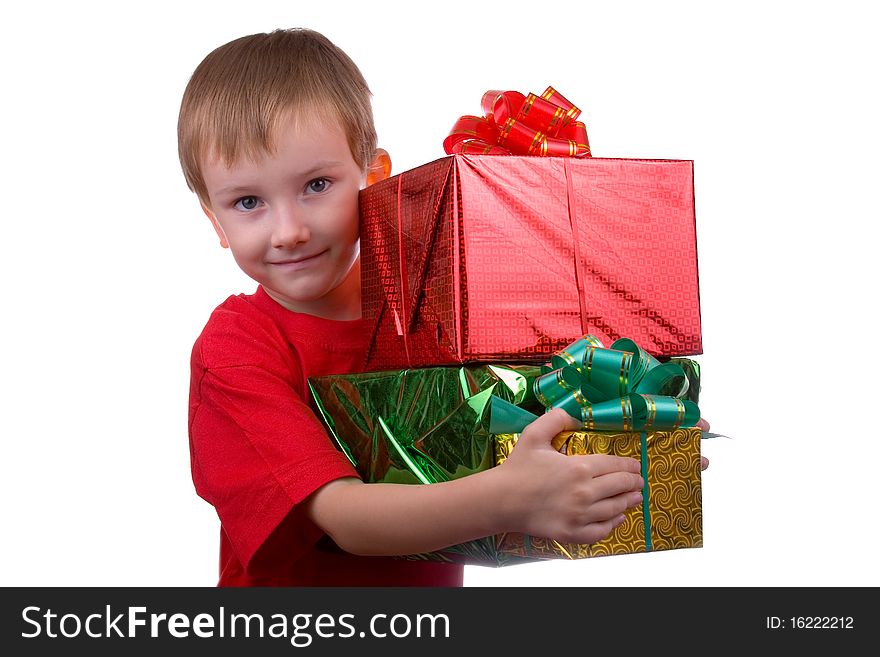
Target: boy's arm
[{"x": 537, "y": 490}]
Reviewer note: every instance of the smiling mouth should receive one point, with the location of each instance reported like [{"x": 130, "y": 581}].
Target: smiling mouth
[{"x": 298, "y": 262}]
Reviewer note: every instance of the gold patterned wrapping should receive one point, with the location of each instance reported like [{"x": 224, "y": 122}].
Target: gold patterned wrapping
[{"x": 674, "y": 495}]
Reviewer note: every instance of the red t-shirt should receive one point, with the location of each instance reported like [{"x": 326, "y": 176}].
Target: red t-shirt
[{"x": 257, "y": 449}]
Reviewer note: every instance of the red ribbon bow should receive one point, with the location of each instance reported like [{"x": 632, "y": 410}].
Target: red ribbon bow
[{"x": 542, "y": 125}]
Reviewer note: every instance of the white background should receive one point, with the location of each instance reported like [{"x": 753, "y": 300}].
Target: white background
[{"x": 109, "y": 269}]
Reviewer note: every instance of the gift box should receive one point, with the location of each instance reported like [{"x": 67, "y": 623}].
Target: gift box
[
  {"x": 421, "y": 426},
  {"x": 670, "y": 516},
  {"x": 476, "y": 258}
]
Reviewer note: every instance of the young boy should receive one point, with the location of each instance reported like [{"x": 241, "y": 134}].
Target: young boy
[{"x": 276, "y": 138}]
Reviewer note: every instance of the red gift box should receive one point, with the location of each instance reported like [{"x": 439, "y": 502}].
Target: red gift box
[{"x": 509, "y": 258}]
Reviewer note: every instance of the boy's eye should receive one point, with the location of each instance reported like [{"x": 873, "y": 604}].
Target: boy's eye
[
  {"x": 247, "y": 203},
  {"x": 318, "y": 185}
]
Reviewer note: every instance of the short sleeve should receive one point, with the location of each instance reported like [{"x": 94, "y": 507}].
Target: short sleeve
[{"x": 257, "y": 449}]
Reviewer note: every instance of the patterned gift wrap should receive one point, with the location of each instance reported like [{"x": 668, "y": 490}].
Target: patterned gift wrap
[
  {"x": 670, "y": 516},
  {"x": 508, "y": 258}
]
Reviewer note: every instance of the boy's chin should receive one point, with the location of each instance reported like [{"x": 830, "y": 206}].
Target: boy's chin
[{"x": 325, "y": 304}]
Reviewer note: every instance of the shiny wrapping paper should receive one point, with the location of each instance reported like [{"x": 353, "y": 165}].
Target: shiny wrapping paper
[
  {"x": 432, "y": 424},
  {"x": 674, "y": 515},
  {"x": 476, "y": 258}
]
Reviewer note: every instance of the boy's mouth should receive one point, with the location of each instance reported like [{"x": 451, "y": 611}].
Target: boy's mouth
[{"x": 297, "y": 263}]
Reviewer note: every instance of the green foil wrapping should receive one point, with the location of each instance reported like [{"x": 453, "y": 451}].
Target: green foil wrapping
[{"x": 422, "y": 426}]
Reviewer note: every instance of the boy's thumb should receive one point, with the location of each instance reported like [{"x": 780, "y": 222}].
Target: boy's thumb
[{"x": 546, "y": 426}]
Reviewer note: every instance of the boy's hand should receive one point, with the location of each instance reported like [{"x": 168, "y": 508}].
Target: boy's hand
[
  {"x": 572, "y": 499},
  {"x": 704, "y": 462}
]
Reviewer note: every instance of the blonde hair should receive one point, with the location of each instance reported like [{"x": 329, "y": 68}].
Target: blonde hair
[{"x": 240, "y": 92}]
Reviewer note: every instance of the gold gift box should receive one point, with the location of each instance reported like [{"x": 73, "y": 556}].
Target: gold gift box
[{"x": 674, "y": 495}]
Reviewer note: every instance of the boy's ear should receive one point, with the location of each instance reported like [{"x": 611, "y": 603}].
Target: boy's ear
[
  {"x": 216, "y": 224},
  {"x": 380, "y": 167}
]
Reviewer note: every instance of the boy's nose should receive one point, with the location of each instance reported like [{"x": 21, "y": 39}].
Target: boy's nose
[{"x": 290, "y": 228}]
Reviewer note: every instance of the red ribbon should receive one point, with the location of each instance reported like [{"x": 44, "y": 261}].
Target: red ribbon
[{"x": 521, "y": 125}]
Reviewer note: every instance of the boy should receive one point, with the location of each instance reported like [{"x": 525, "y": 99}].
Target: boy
[{"x": 276, "y": 138}]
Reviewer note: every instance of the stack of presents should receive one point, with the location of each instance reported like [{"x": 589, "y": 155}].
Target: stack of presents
[{"x": 515, "y": 275}]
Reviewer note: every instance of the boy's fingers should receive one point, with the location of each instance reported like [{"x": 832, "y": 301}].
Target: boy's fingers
[
  {"x": 702, "y": 424},
  {"x": 596, "y": 531},
  {"x": 604, "y": 464},
  {"x": 611, "y": 507},
  {"x": 615, "y": 484}
]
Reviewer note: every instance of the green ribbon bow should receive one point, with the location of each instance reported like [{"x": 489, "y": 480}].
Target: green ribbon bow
[{"x": 622, "y": 388}]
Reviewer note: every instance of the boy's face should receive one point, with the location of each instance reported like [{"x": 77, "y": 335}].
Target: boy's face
[{"x": 291, "y": 219}]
